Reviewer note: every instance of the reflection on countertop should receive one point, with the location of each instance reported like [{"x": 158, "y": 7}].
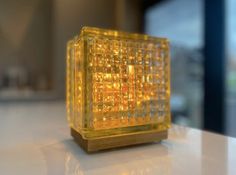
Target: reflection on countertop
[{"x": 35, "y": 140}]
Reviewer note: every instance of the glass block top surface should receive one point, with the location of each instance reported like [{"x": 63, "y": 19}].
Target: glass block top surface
[{"x": 124, "y": 81}]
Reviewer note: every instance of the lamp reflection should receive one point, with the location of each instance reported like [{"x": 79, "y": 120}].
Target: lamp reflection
[{"x": 154, "y": 159}]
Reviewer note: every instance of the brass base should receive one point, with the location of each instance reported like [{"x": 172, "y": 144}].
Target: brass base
[{"x": 101, "y": 143}]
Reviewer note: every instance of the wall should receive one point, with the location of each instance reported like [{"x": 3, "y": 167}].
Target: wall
[{"x": 25, "y": 37}]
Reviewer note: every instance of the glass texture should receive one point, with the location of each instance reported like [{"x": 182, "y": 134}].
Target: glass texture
[{"x": 117, "y": 83}]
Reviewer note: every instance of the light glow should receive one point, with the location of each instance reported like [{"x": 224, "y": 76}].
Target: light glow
[{"x": 117, "y": 83}]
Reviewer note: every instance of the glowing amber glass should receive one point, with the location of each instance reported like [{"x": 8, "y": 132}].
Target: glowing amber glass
[{"x": 117, "y": 83}]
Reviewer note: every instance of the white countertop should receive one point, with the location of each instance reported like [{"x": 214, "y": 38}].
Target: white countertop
[{"x": 35, "y": 140}]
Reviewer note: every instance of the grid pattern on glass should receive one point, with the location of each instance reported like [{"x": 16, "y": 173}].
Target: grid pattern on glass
[
  {"x": 78, "y": 84},
  {"x": 129, "y": 82},
  {"x": 69, "y": 84},
  {"x": 74, "y": 83}
]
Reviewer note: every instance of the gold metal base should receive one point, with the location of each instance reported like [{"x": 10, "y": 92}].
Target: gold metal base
[{"x": 96, "y": 144}]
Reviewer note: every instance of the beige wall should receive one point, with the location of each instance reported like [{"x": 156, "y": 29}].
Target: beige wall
[{"x": 25, "y": 36}]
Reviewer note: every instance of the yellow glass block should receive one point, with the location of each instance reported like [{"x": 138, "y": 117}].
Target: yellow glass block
[{"x": 117, "y": 83}]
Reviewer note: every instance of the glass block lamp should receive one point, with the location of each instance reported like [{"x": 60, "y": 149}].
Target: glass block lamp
[{"x": 118, "y": 88}]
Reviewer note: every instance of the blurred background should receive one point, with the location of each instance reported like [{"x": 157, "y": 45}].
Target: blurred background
[{"x": 33, "y": 36}]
